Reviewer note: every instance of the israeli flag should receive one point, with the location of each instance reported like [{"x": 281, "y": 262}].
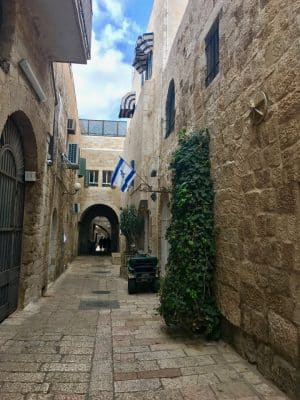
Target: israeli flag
[{"x": 123, "y": 175}]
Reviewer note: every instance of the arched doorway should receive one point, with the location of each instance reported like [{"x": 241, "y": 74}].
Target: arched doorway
[
  {"x": 88, "y": 226},
  {"x": 11, "y": 215}
]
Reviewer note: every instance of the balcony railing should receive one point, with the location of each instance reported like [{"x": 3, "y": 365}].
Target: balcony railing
[{"x": 103, "y": 128}]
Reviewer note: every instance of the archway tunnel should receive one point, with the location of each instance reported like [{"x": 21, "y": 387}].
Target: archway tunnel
[{"x": 98, "y": 221}]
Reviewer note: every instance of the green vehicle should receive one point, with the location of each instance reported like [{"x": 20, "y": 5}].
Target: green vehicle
[{"x": 142, "y": 269}]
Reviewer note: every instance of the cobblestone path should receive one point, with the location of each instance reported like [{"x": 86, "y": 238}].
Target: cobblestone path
[{"x": 89, "y": 340}]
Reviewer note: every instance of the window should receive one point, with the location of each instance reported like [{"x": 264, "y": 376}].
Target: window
[
  {"x": 149, "y": 66},
  {"x": 50, "y": 154},
  {"x": 147, "y": 73},
  {"x": 212, "y": 52},
  {"x": 73, "y": 153},
  {"x": 106, "y": 178},
  {"x": 93, "y": 178},
  {"x": 170, "y": 108}
]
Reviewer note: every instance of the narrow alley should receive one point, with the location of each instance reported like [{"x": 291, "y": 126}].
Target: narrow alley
[{"x": 87, "y": 339}]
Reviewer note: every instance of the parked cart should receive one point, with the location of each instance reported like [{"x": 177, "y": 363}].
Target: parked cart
[{"x": 142, "y": 269}]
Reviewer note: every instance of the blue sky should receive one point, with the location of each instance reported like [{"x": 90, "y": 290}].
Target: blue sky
[{"x": 101, "y": 83}]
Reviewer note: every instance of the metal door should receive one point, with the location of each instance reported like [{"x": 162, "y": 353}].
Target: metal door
[{"x": 11, "y": 216}]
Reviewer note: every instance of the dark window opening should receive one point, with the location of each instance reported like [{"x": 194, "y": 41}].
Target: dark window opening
[
  {"x": 50, "y": 153},
  {"x": 170, "y": 109},
  {"x": 212, "y": 52},
  {"x": 147, "y": 74},
  {"x": 149, "y": 66}
]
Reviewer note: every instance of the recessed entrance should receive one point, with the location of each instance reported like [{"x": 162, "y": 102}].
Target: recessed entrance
[
  {"x": 98, "y": 231},
  {"x": 11, "y": 215}
]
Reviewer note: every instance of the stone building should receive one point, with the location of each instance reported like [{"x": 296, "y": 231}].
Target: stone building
[
  {"x": 231, "y": 67},
  {"x": 101, "y": 143},
  {"x": 38, "y": 41}
]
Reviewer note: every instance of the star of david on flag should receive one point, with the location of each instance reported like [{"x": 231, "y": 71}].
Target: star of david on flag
[{"x": 123, "y": 175}]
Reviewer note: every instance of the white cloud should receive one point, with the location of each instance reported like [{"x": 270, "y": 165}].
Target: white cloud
[
  {"x": 96, "y": 9},
  {"x": 106, "y": 78},
  {"x": 101, "y": 83},
  {"x": 115, "y": 9}
]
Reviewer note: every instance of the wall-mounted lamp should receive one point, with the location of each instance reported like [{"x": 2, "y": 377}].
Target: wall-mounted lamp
[
  {"x": 77, "y": 187},
  {"x": 35, "y": 84}
]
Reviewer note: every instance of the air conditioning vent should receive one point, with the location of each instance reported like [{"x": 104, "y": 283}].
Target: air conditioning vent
[
  {"x": 71, "y": 126},
  {"x": 76, "y": 208}
]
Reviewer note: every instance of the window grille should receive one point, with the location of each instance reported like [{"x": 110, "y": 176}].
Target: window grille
[
  {"x": 106, "y": 178},
  {"x": 212, "y": 52},
  {"x": 73, "y": 155},
  {"x": 93, "y": 177},
  {"x": 170, "y": 108}
]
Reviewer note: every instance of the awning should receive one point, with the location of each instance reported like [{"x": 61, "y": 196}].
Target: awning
[
  {"x": 127, "y": 105},
  {"x": 144, "y": 46}
]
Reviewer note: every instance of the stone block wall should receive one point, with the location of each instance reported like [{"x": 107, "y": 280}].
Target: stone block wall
[
  {"x": 43, "y": 198},
  {"x": 255, "y": 168},
  {"x": 101, "y": 154}
]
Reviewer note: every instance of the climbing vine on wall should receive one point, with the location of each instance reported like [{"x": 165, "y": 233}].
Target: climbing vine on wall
[{"x": 187, "y": 295}]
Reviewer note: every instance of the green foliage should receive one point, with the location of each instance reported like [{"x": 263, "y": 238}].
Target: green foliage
[
  {"x": 187, "y": 296},
  {"x": 131, "y": 224}
]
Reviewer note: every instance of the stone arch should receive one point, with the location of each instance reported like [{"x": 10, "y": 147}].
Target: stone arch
[
  {"x": 32, "y": 196},
  {"x": 97, "y": 210},
  {"x": 15, "y": 137},
  {"x": 28, "y": 138}
]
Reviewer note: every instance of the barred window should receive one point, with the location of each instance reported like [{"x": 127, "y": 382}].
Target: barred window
[
  {"x": 170, "y": 109},
  {"x": 93, "y": 178},
  {"x": 106, "y": 178},
  {"x": 212, "y": 52}
]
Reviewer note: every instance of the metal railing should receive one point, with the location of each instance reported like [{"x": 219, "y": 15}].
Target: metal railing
[{"x": 103, "y": 127}]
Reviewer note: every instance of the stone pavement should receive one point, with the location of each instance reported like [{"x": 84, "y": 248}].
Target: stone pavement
[{"x": 89, "y": 340}]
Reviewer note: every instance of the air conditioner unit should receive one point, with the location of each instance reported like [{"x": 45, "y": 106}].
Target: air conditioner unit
[
  {"x": 76, "y": 208},
  {"x": 71, "y": 126}
]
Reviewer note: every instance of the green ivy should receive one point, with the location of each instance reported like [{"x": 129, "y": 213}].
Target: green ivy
[
  {"x": 187, "y": 295},
  {"x": 131, "y": 224}
]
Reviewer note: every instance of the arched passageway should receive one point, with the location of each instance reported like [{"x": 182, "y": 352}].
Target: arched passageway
[{"x": 92, "y": 224}]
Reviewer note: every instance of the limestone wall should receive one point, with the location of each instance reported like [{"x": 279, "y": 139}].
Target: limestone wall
[
  {"x": 43, "y": 198},
  {"x": 101, "y": 154},
  {"x": 255, "y": 168}
]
